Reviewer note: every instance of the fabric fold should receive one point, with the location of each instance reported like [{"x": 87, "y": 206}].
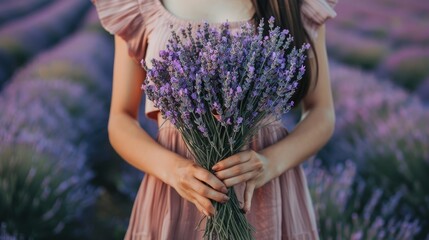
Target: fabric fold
[{"x": 127, "y": 19}]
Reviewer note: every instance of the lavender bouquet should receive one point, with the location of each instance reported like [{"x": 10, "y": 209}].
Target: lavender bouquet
[{"x": 216, "y": 88}]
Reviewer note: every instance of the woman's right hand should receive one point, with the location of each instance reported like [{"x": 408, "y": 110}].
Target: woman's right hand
[{"x": 197, "y": 185}]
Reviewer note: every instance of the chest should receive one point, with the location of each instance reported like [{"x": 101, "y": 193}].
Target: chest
[{"x": 211, "y": 10}]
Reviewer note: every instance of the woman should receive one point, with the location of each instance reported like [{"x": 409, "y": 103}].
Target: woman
[{"x": 268, "y": 176}]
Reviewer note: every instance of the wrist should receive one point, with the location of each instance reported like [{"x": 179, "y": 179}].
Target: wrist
[
  {"x": 275, "y": 168},
  {"x": 169, "y": 175}
]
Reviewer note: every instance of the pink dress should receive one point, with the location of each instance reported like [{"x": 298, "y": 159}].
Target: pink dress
[{"x": 281, "y": 209}]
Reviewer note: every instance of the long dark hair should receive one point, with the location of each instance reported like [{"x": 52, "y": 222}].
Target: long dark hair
[{"x": 287, "y": 16}]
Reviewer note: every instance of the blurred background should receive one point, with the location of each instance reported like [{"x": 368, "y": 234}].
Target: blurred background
[{"x": 61, "y": 179}]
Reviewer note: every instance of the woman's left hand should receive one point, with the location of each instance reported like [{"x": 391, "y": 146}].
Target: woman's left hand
[{"x": 246, "y": 166}]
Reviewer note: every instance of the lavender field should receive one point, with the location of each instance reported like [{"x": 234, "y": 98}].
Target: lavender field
[{"x": 61, "y": 179}]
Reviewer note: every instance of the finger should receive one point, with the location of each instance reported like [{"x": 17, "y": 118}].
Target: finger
[
  {"x": 244, "y": 148},
  {"x": 214, "y": 182},
  {"x": 207, "y": 192},
  {"x": 230, "y": 161},
  {"x": 199, "y": 207},
  {"x": 248, "y": 195},
  {"x": 241, "y": 178},
  {"x": 207, "y": 206},
  {"x": 239, "y": 169}
]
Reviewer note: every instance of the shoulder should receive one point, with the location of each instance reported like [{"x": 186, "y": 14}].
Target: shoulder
[
  {"x": 127, "y": 19},
  {"x": 315, "y": 13}
]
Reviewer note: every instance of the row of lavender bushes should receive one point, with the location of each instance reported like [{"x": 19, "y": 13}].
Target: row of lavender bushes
[
  {"x": 54, "y": 116},
  {"x": 44, "y": 177},
  {"x": 117, "y": 181},
  {"x": 24, "y": 38},
  {"x": 10, "y": 10},
  {"x": 383, "y": 130},
  {"x": 387, "y": 36},
  {"x": 348, "y": 207}
]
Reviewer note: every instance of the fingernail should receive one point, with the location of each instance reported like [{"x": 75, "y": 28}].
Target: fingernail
[
  {"x": 224, "y": 189},
  {"x": 215, "y": 167},
  {"x": 225, "y": 198},
  {"x": 206, "y": 213}
]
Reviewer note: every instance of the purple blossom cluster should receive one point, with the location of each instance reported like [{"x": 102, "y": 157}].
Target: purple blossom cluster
[
  {"x": 24, "y": 38},
  {"x": 399, "y": 146},
  {"x": 217, "y": 88},
  {"x": 50, "y": 189},
  {"x": 361, "y": 98},
  {"x": 41, "y": 141},
  {"x": 348, "y": 208},
  {"x": 235, "y": 79}
]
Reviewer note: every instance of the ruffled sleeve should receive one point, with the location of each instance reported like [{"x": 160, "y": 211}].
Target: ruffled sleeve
[
  {"x": 315, "y": 12},
  {"x": 125, "y": 19}
]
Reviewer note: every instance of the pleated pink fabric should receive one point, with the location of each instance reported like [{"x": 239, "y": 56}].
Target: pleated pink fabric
[
  {"x": 281, "y": 209},
  {"x": 145, "y": 26}
]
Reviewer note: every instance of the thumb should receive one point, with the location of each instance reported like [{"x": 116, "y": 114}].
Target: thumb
[{"x": 248, "y": 195}]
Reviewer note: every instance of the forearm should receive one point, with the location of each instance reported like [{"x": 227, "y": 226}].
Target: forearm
[
  {"x": 309, "y": 136},
  {"x": 139, "y": 149}
]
